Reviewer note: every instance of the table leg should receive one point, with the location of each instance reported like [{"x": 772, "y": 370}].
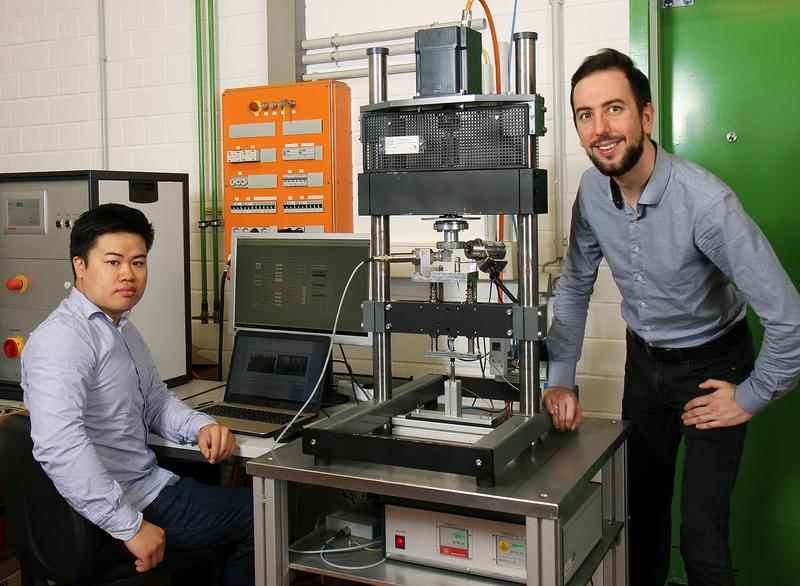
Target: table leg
[
  {"x": 270, "y": 507},
  {"x": 615, "y": 507}
]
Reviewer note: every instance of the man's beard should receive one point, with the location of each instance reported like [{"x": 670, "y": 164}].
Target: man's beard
[{"x": 632, "y": 155}]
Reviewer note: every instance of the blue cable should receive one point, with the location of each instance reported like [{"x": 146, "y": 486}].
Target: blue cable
[{"x": 510, "y": 47}]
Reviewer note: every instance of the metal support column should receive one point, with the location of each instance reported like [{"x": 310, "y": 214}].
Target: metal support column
[
  {"x": 615, "y": 508},
  {"x": 271, "y": 525},
  {"x": 382, "y": 341},
  {"x": 527, "y": 257},
  {"x": 544, "y": 558}
]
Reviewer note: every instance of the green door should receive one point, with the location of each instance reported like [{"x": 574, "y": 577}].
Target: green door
[{"x": 730, "y": 101}]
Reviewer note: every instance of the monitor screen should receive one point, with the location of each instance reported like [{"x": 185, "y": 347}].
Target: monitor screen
[{"x": 294, "y": 282}]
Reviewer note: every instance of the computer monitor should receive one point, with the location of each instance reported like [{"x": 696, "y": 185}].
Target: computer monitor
[{"x": 294, "y": 282}]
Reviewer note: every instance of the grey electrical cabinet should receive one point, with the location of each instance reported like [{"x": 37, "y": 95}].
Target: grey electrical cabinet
[{"x": 37, "y": 212}]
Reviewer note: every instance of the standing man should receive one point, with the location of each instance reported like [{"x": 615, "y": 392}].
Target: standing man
[
  {"x": 93, "y": 394},
  {"x": 687, "y": 260}
]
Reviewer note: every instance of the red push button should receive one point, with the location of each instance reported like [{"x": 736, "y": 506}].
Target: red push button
[
  {"x": 18, "y": 283},
  {"x": 12, "y": 347},
  {"x": 399, "y": 541}
]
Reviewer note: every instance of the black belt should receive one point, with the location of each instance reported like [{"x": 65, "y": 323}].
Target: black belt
[{"x": 708, "y": 350}]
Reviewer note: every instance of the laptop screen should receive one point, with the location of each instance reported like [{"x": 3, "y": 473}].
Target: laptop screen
[{"x": 273, "y": 369}]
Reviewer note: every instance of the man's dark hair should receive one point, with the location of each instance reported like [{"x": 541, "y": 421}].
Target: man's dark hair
[
  {"x": 109, "y": 218},
  {"x": 606, "y": 59}
]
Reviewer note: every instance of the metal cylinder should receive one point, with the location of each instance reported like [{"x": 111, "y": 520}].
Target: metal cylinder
[
  {"x": 479, "y": 249},
  {"x": 527, "y": 267},
  {"x": 525, "y": 62},
  {"x": 376, "y": 63},
  {"x": 382, "y": 341}
]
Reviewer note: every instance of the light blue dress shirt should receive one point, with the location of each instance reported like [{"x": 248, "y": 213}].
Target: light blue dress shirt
[
  {"x": 675, "y": 260},
  {"x": 93, "y": 393}
]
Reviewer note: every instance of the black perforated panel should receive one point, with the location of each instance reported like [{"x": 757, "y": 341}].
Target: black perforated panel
[{"x": 494, "y": 137}]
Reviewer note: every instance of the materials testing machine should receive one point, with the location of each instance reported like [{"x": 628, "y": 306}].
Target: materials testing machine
[{"x": 449, "y": 152}]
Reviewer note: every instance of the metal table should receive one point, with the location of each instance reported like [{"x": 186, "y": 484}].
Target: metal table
[{"x": 540, "y": 485}]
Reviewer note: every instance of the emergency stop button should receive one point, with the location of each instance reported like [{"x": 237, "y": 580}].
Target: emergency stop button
[
  {"x": 12, "y": 347},
  {"x": 18, "y": 284}
]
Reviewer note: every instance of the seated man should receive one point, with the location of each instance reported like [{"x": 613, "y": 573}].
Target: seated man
[{"x": 93, "y": 393}]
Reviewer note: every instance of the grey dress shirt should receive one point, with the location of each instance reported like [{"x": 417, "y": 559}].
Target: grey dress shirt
[
  {"x": 675, "y": 260},
  {"x": 93, "y": 393}
]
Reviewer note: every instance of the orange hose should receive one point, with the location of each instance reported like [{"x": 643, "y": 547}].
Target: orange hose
[
  {"x": 495, "y": 50},
  {"x": 498, "y": 90}
]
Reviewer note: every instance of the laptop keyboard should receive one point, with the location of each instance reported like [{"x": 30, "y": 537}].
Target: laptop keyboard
[{"x": 248, "y": 414}]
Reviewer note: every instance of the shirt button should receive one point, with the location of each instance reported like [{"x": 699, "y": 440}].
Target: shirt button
[
  {"x": 642, "y": 304},
  {"x": 636, "y": 249}
]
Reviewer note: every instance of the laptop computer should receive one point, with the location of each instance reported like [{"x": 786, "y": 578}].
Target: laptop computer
[{"x": 271, "y": 376}]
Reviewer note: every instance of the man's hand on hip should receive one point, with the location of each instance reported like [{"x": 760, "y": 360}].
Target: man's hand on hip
[
  {"x": 147, "y": 546},
  {"x": 717, "y": 409},
  {"x": 216, "y": 443},
  {"x": 563, "y": 406}
]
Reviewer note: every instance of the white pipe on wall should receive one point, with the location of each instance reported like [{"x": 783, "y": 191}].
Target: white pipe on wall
[
  {"x": 339, "y": 55},
  {"x": 371, "y": 38},
  {"x": 559, "y": 119},
  {"x": 101, "y": 9},
  {"x": 352, "y": 73}
]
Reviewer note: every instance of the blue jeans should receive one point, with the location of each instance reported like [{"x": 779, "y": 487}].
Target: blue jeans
[
  {"x": 195, "y": 515},
  {"x": 654, "y": 397}
]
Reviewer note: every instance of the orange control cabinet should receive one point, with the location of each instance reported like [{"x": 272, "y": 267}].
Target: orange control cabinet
[{"x": 287, "y": 158}]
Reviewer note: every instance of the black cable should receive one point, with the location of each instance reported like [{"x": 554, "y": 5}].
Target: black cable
[
  {"x": 496, "y": 280},
  {"x": 220, "y": 377},
  {"x": 485, "y": 352},
  {"x": 350, "y": 371},
  {"x": 481, "y": 358}
]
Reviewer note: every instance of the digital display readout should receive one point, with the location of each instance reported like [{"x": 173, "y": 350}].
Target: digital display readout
[{"x": 23, "y": 213}]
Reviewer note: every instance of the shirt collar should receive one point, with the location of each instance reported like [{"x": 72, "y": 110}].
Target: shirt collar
[
  {"x": 89, "y": 309},
  {"x": 656, "y": 185}
]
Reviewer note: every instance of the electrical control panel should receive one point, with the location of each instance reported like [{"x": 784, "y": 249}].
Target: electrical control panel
[
  {"x": 37, "y": 214},
  {"x": 488, "y": 547},
  {"x": 288, "y": 158},
  {"x": 466, "y": 544}
]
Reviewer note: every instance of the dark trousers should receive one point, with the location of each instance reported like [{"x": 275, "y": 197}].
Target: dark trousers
[
  {"x": 195, "y": 515},
  {"x": 654, "y": 397}
]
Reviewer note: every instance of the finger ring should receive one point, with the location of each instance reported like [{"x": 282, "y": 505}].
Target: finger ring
[{"x": 555, "y": 407}]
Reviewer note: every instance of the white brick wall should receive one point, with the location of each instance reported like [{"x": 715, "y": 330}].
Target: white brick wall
[{"x": 50, "y": 111}]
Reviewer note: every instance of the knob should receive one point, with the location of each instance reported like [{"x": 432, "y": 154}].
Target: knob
[
  {"x": 18, "y": 284},
  {"x": 12, "y": 347},
  {"x": 59, "y": 224}
]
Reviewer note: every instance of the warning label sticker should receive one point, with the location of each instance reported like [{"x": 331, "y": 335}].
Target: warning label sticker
[{"x": 402, "y": 145}]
